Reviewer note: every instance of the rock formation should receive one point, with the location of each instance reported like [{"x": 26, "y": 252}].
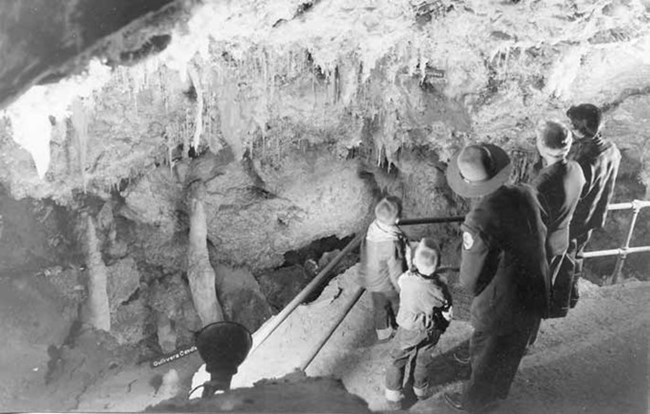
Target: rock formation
[{"x": 295, "y": 116}]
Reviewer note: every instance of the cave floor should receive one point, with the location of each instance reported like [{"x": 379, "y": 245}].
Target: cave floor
[{"x": 593, "y": 361}]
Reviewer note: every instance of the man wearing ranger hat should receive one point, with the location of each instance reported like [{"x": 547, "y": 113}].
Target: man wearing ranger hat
[{"x": 503, "y": 265}]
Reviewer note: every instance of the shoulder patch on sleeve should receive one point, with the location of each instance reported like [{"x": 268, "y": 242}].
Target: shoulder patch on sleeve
[{"x": 468, "y": 240}]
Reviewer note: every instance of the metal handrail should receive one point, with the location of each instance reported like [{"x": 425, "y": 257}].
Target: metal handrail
[
  {"x": 304, "y": 293},
  {"x": 616, "y": 252},
  {"x": 636, "y": 206},
  {"x": 428, "y": 220}
]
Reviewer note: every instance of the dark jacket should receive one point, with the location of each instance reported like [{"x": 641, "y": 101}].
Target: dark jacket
[
  {"x": 382, "y": 258},
  {"x": 558, "y": 189},
  {"x": 599, "y": 160},
  {"x": 504, "y": 261}
]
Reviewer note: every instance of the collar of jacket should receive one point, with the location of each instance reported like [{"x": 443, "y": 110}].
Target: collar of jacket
[
  {"x": 434, "y": 277},
  {"x": 380, "y": 232},
  {"x": 596, "y": 140}
]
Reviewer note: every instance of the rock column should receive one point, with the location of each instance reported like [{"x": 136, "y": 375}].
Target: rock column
[
  {"x": 97, "y": 310},
  {"x": 199, "y": 270}
]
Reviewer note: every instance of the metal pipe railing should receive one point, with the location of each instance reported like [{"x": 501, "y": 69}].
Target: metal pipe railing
[
  {"x": 616, "y": 252},
  {"x": 260, "y": 337},
  {"x": 429, "y": 220},
  {"x": 316, "y": 349},
  {"x": 636, "y": 207},
  {"x": 636, "y": 204}
]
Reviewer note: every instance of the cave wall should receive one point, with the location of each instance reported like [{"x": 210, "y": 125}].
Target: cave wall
[
  {"x": 298, "y": 118},
  {"x": 43, "y": 41}
]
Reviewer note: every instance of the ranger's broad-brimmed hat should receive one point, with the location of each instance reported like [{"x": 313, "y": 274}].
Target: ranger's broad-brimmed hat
[{"x": 478, "y": 170}]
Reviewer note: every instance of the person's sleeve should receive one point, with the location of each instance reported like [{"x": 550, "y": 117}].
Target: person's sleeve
[
  {"x": 409, "y": 249},
  {"x": 589, "y": 180},
  {"x": 397, "y": 282},
  {"x": 475, "y": 266},
  {"x": 608, "y": 192},
  {"x": 396, "y": 262}
]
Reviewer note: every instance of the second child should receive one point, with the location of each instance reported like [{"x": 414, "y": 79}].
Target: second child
[{"x": 424, "y": 314}]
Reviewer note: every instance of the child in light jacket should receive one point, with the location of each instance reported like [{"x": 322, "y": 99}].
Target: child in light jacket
[
  {"x": 424, "y": 314},
  {"x": 383, "y": 260}
]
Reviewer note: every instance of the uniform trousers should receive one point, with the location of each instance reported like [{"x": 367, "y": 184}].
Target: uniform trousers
[
  {"x": 561, "y": 268},
  {"x": 495, "y": 358},
  {"x": 576, "y": 251}
]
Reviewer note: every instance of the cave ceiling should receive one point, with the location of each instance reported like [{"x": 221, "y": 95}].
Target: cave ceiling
[{"x": 102, "y": 94}]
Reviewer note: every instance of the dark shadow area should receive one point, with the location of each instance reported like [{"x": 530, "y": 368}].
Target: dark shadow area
[{"x": 282, "y": 284}]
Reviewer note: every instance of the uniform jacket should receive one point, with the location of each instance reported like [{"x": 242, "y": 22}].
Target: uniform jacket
[
  {"x": 599, "y": 160},
  {"x": 382, "y": 258},
  {"x": 422, "y": 301},
  {"x": 504, "y": 262},
  {"x": 559, "y": 187}
]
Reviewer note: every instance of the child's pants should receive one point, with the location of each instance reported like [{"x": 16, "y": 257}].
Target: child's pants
[
  {"x": 385, "y": 305},
  {"x": 414, "y": 346}
]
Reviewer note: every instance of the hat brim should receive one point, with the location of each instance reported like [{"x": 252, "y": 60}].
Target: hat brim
[{"x": 468, "y": 189}]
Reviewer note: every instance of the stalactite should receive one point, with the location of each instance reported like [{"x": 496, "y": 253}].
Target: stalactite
[
  {"x": 80, "y": 119},
  {"x": 184, "y": 131},
  {"x": 198, "y": 118}
]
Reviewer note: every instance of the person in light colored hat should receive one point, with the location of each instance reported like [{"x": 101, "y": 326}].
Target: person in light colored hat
[
  {"x": 599, "y": 160},
  {"x": 383, "y": 259},
  {"x": 558, "y": 185},
  {"x": 424, "y": 313},
  {"x": 503, "y": 265}
]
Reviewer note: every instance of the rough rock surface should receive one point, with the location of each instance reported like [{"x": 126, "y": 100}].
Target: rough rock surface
[
  {"x": 33, "y": 318},
  {"x": 291, "y": 393},
  {"x": 57, "y": 37},
  {"x": 242, "y": 299}
]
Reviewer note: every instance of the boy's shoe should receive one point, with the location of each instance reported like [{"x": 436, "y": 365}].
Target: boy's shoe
[
  {"x": 422, "y": 393},
  {"x": 384, "y": 335},
  {"x": 394, "y": 399},
  {"x": 455, "y": 401},
  {"x": 462, "y": 358}
]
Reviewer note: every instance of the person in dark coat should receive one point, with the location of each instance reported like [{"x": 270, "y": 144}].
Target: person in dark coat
[
  {"x": 559, "y": 185},
  {"x": 599, "y": 159},
  {"x": 383, "y": 260},
  {"x": 504, "y": 266}
]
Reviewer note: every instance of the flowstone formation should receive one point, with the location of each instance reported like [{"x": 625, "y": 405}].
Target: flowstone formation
[{"x": 296, "y": 116}]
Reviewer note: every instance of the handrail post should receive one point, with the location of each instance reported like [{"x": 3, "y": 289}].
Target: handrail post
[{"x": 626, "y": 244}]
